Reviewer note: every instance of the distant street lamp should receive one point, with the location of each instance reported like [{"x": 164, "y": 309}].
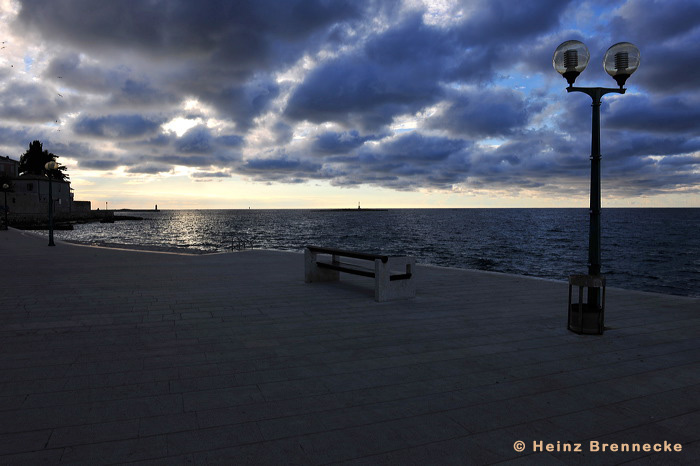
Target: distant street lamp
[
  {"x": 620, "y": 61},
  {"x": 5, "y": 187},
  {"x": 51, "y": 166}
]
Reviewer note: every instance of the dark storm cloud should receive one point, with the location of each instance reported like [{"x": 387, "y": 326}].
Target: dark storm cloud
[
  {"x": 197, "y": 147},
  {"x": 188, "y": 160},
  {"x": 483, "y": 113},
  {"x": 666, "y": 33},
  {"x": 115, "y": 126},
  {"x": 9, "y": 137},
  {"x": 407, "y": 162},
  {"x": 211, "y": 175},
  {"x": 71, "y": 70},
  {"x": 229, "y": 140},
  {"x": 241, "y": 31},
  {"x": 684, "y": 162},
  {"x": 149, "y": 168},
  {"x": 281, "y": 167},
  {"x": 245, "y": 102},
  {"x": 218, "y": 51},
  {"x": 413, "y": 149},
  {"x": 512, "y": 21},
  {"x": 405, "y": 68},
  {"x": 502, "y": 34},
  {"x": 100, "y": 164},
  {"x": 332, "y": 142},
  {"x": 119, "y": 86},
  {"x": 281, "y": 164},
  {"x": 30, "y": 103},
  {"x": 668, "y": 114},
  {"x": 196, "y": 140},
  {"x": 158, "y": 141},
  {"x": 199, "y": 141},
  {"x": 670, "y": 69},
  {"x": 397, "y": 72},
  {"x": 657, "y": 20},
  {"x": 626, "y": 143},
  {"x": 357, "y": 92}
]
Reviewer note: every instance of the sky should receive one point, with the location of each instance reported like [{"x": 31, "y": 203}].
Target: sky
[{"x": 331, "y": 103}]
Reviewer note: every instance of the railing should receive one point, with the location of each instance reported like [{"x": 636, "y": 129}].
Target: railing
[{"x": 240, "y": 243}]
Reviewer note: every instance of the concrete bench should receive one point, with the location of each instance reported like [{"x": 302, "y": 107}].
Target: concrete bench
[{"x": 393, "y": 275}]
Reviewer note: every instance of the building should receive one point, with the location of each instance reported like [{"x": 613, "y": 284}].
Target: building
[
  {"x": 29, "y": 194},
  {"x": 9, "y": 167}
]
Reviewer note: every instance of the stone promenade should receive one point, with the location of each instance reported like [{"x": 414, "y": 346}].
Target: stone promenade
[{"x": 115, "y": 356}]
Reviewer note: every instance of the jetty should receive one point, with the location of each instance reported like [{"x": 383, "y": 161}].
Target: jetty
[{"x": 118, "y": 356}]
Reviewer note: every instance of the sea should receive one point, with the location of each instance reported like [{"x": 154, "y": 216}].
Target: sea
[{"x": 648, "y": 249}]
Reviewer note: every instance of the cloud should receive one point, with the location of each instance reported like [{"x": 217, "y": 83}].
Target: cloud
[
  {"x": 149, "y": 168},
  {"x": 482, "y": 113},
  {"x": 397, "y": 72},
  {"x": 667, "y": 114},
  {"x": 243, "y": 103},
  {"x": 332, "y": 142},
  {"x": 237, "y": 31},
  {"x": 664, "y": 31},
  {"x": 30, "y": 103},
  {"x": 221, "y": 52},
  {"x": 513, "y": 22},
  {"x": 203, "y": 177},
  {"x": 99, "y": 164},
  {"x": 668, "y": 19},
  {"x": 195, "y": 140},
  {"x": 281, "y": 167},
  {"x": 116, "y": 126},
  {"x": 406, "y": 162}
]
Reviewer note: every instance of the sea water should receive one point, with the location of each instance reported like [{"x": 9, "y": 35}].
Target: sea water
[{"x": 645, "y": 249}]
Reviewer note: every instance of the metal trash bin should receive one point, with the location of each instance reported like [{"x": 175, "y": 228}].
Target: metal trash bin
[{"x": 586, "y": 318}]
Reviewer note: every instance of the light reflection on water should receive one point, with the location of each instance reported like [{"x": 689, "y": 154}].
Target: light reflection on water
[{"x": 647, "y": 249}]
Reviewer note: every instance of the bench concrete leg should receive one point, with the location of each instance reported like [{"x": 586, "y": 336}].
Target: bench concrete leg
[
  {"x": 312, "y": 273},
  {"x": 384, "y": 288}
]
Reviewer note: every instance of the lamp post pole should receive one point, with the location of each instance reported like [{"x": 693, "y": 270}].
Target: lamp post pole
[
  {"x": 5, "y": 187},
  {"x": 596, "y": 94},
  {"x": 51, "y": 243},
  {"x": 50, "y": 166}
]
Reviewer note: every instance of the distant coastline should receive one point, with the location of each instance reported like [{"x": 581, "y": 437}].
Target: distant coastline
[
  {"x": 136, "y": 210},
  {"x": 352, "y": 210}
]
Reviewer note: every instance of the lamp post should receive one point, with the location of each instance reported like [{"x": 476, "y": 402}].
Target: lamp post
[
  {"x": 5, "y": 187},
  {"x": 50, "y": 166},
  {"x": 620, "y": 61}
]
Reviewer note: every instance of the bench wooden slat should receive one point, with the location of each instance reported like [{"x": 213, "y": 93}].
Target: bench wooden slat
[
  {"x": 350, "y": 268},
  {"x": 343, "y": 268},
  {"x": 353, "y": 254}
]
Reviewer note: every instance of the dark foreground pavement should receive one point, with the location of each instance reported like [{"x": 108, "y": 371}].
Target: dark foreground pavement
[{"x": 114, "y": 356}]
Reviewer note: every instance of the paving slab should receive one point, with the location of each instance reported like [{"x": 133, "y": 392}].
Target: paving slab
[{"x": 118, "y": 356}]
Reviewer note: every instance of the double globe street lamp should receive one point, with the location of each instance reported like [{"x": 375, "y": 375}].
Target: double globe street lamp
[{"x": 620, "y": 61}]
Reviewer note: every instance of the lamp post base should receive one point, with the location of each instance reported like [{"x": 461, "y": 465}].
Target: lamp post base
[
  {"x": 586, "y": 321},
  {"x": 586, "y": 318}
]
